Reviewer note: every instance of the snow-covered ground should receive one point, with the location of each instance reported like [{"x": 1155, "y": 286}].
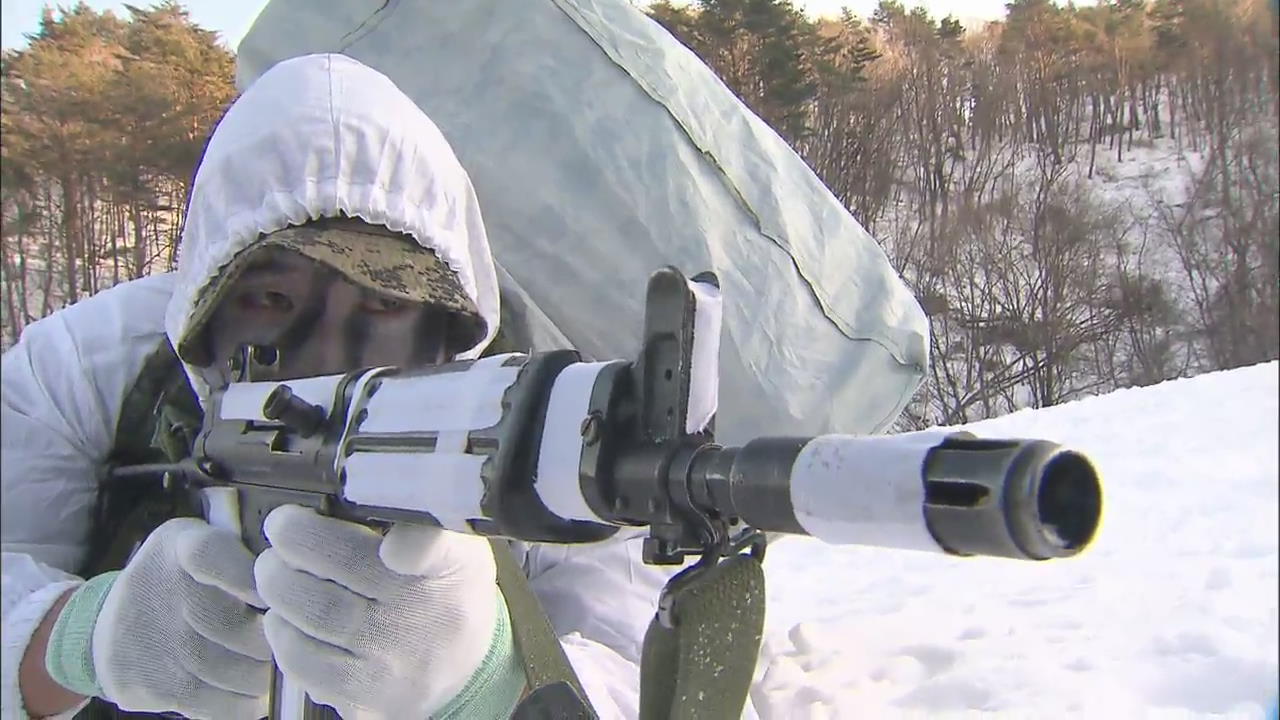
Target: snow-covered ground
[{"x": 1171, "y": 613}]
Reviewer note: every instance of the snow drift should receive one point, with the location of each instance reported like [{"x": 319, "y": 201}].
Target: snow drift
[{"x": 1171, "y": 614}]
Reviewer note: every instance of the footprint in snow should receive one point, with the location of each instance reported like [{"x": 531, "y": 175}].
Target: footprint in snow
[
  {"x": 1237, "y": 681},
  {"x": 935, "y": 658},
  {"x": 1185, "y": 643},
  {"x": 948, "y": 695}
]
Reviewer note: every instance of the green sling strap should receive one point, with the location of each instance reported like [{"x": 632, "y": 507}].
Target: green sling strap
[
  {"x": 554, "y": 689},
  {"x": 698, "y": 661}
]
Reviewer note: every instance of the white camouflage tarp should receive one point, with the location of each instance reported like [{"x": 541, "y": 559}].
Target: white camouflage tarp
[{"x": 602, "y": 149}]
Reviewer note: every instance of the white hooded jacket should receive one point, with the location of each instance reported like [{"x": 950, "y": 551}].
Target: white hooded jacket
[{"x": 313, "y": 136}]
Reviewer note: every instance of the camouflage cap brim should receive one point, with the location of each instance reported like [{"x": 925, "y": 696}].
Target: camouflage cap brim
[{"x": 369, "y": 256}]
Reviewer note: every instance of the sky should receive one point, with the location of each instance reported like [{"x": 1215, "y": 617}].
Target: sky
[
  {"x": 232, "y": 18},
  {"x": 1171, "y": 613}
]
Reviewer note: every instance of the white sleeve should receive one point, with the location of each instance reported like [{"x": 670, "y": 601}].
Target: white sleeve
[
  {"x": 30, "y": 589},
  {"x": 600, "y": 598},
  {"x": 61, "y": 389}
]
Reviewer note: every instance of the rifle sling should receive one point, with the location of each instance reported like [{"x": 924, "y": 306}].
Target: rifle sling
[
  {"x": 554, "y": 689},
  {"x": 701, "y": 667}
]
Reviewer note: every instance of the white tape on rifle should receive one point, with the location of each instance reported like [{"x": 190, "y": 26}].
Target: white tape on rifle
[
  {"x": 292, "y": 700},
  {"x": 848, "y": 489},
  {"x": 244, "y": 400},
  {"x": 560, "y": 454},
  {"x": 445, "y": 484},
  {"x": 466, "y": 400},
  {"x": 445, "y": 481},
  {"x": 704, "y": 376},
  {"x": 222, "y": 505}
]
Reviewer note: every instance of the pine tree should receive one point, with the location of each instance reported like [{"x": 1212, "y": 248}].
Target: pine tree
[{"x": 104, "y": 120}]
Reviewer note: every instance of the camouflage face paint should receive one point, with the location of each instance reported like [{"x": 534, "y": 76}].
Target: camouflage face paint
[
  {"x": 322, "y": 324},
  {"x": 311, "y": 311},
  {"x": 369, "y": 257}
]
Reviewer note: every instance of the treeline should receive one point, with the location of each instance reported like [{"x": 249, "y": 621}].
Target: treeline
[
  {"x": 103, "y": 121},
  {"x": 998, "y": 165}
]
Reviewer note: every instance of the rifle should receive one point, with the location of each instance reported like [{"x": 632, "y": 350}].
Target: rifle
[{"x": 546, "y": 447}]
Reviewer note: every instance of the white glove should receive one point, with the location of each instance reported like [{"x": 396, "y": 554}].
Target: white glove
[
  {"x": 366, "y": 639},
  {"x": 175, "y": 632}
]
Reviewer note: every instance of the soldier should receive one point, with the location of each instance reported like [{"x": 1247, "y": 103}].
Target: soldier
[{"x": 329, "y": 221}]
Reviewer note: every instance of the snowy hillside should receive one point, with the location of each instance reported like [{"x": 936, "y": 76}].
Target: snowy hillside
[{"x": 1171, "y": 614}]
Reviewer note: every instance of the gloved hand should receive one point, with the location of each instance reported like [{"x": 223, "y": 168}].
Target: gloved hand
[
  {"x": 429, "y": 638},
  {"x": 172, "y": 632}
]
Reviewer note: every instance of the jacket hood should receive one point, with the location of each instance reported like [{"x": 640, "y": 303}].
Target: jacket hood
[{"x": 313, "y": 137}]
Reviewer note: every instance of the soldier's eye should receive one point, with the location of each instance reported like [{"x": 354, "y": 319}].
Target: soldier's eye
[
  {"x": 265, "y": 301},
  {"x": 383, "y": 305}
]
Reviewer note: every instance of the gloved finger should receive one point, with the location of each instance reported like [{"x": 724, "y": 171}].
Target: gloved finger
[
  {"x": 321, "y": 609},
  {"x": 424, "y": 550},
  {"x": 327, "y": 547},
  {"x": 407, "y": 548},
  {"x": 328, "y": 673},
  {"x": 161, "y": 540},
  {"x": 173, "y": 690},
  {"x": 220, "y": 668},
  {"x": 225, "y": 620},
  {"x": 217, "y": 557},
  {"x": 230, "y": 705}
]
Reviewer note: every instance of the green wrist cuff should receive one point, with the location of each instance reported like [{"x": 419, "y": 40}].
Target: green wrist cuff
[
  {"x": 495, "y": 688},
  {"x": 69, "y": 656}
]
